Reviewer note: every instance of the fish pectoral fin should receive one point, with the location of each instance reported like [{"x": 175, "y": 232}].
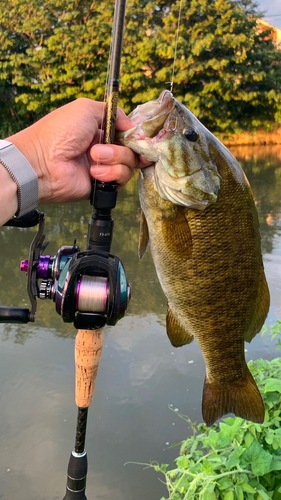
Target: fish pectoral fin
[
  {"x": 177, "y": 234},
  {"x": 144, "y": 236},
  {"x": 241, "y": 398},
  {"x": 176, "y": 332},
  {"x": 261, "y": 310}
]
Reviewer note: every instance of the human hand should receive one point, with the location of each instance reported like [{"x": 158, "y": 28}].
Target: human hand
[{"x": 63, "y": 148}]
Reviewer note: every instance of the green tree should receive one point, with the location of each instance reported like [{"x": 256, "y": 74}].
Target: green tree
[
  {"x": 53, "y": 51},
  {"x": 227, "y": 72}
]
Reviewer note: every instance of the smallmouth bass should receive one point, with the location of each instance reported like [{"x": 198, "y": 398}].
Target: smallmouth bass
[{"x": 199, "y": 216}]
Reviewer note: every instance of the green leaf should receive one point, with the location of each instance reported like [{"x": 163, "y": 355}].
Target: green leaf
[
  {"x": 207, "y": 466},
  {"x": 275, "y": 464},
  {"x": 269, "y": 438},
  {"x": 263, "y": 494},
  {"x": 234, "y": 457},
  {"x": 228, "y": 495},
  {"x": 258, "y": 459},
  {"x": 249, "y": 438},
  {"x": 224, "y": 483},
  {"x": 246, "y": 487},
  {"x": 209, "y": 496},
  {"x": 231, "y": 427},
  {"x": 239, "y": 492},
  {"x": 218, "y": 439},
  {"x": 183, "y": 483},
  {"x": 250, "y": 496},
  {"x": 210, "y": 487},
  {"x": 272, "y": 385},
  {"x": 217, "y": 459},
  {"x": 208, "y": 492},
  {"x": 264, "y": 330},
  {"x": 183, "y": 462}
]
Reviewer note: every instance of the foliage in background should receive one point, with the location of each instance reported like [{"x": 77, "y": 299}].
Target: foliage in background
[
  {"x": 274, "y": 330},
  {"x": 227, "y": 72},
  {"x": 53, "y": 51},
  {"x": 237, "y": 459}
]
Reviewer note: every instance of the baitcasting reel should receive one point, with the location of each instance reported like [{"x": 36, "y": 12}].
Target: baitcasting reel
[{"x": 89, "y": 288}]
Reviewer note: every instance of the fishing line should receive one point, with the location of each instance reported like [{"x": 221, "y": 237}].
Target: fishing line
[
  {"x": 92, "y": 292},
  {"x": 176, "y": 46}
]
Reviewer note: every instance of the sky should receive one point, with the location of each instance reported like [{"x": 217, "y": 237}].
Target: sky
[{"x": 273, "y": 11}]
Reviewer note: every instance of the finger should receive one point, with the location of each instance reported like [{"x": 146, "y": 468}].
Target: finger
[
  {"x": 90, "y": 109},
  {"x": 108, "y": 173},
  {"x": 143, "y": 162},
  {"x": 123, "y": 122},
  {"x": 114, "y": 155}
]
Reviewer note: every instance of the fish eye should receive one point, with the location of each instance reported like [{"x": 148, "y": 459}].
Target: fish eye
[{"x": 191, "y": 134}]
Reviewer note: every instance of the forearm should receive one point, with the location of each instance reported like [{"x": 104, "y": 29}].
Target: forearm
[{"x": 63, "y": 149}]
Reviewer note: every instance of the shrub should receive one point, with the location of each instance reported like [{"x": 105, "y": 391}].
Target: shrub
[{"x": 236, "y": 459}]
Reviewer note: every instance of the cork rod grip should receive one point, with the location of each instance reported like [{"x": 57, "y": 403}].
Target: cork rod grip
[{"x": 88, "y": 350}]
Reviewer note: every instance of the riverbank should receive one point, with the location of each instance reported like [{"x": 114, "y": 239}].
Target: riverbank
[{"x": 258, "y": 138}]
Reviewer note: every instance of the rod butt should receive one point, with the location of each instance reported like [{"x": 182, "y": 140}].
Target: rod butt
[{"x": 76, "y": 477}]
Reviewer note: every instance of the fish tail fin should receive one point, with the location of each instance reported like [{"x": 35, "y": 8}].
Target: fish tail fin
[{"x": 241, "y": 398}]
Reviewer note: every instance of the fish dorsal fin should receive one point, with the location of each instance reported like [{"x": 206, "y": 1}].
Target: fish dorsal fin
[
  {"x": 261, "y": 310},
  {"x": 144, "y": 236},
  {"x": 176, "y": 332}
]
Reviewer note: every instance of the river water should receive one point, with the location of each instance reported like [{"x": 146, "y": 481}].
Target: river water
[{"x": 143, "y": 382}]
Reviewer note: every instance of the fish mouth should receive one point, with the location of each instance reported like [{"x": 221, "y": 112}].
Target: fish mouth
[
  {"x": 153, "y": 110},
  {"x": 149, "y": 119}
]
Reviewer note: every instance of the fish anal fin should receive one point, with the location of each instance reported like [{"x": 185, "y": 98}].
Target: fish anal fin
[
  {"x": 144, "y": 236},
  {"x": 241, "y": 398},
  {"x": 176, "y": 332},
  {"x": 261, "y": 310}
]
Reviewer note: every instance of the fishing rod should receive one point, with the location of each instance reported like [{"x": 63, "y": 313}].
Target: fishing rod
[
  {"x": 89, "y": 287},
  {"x": 89, "y": 343}
]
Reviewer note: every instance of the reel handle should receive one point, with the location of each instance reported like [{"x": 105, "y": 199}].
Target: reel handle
[
  {"x": 28, "y": 220},
  {"x": 10, "y": 314}
]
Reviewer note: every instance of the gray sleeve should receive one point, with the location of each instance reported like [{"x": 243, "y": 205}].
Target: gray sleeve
[{"x": 22, "y": 174}]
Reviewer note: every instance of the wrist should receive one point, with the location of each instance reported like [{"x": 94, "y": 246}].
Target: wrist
[
  {"x": 28, "y": 144},
  {"x": 9, "y": 198},
  {"x": 23, "y": 176}
]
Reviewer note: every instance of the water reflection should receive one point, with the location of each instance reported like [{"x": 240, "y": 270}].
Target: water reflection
[
  {"x": 140, "y": 373},
  {"x": 262, "y": 165}
]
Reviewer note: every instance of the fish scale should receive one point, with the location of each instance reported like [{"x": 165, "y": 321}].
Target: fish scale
[{"x": 208, "y": 260}]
